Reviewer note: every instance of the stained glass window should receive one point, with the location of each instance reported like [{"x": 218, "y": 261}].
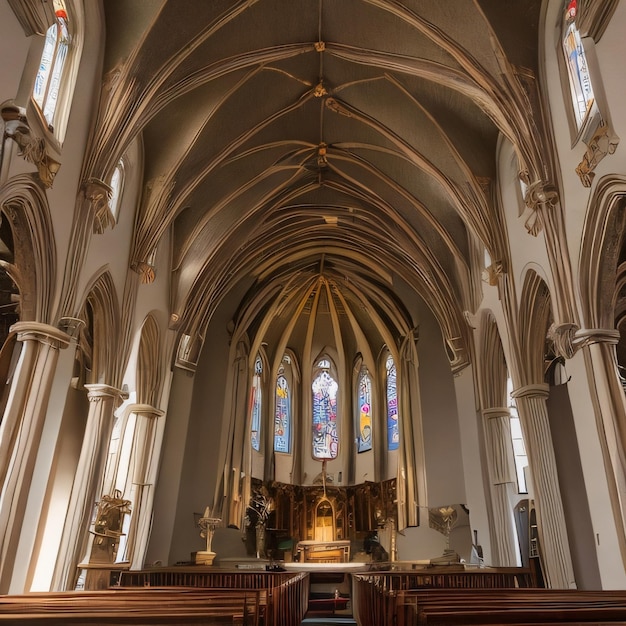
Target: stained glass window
[
  {"x": 577, "y": 68},
  {"x": 256, "y": 405},
  {"x": 364, "y": 438},
  {"x": 282, "y": 416},
  {"x": 50, "y": 73},
  {"x": 393, "y": 432},
  {"x": 325, "y": 434}
]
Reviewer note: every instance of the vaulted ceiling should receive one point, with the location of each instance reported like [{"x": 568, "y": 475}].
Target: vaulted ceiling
[{"x": 288, "y": 140}]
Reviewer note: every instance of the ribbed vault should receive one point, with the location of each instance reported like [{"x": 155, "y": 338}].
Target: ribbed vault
[{"x": 283, "y": 135}]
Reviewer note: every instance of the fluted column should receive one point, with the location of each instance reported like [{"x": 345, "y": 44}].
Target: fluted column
[
  {"x": 557, "y": 563},
  {"x": 87, "y": 484},
  {"x": 497, "y": 421},
  {"x": 144, "y": 458},
  {"x": 20, "y": 431}
]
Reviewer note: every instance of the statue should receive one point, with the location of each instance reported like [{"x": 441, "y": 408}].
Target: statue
[
  {"x": 108, "y": 527},
  {"x": 207, "y": 523}
]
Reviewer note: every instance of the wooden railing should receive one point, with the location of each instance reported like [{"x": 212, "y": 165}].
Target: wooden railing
[{"x": 253, "y": 599}]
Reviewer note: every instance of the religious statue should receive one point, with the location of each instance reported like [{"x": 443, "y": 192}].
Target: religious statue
[
  {"x": 207, "y": 523},
  {"x": 108, "y": 527}
]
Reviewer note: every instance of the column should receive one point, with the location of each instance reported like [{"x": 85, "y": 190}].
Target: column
[
  {"x": 497, "y": 422},
  {"x": 556, "y": 559},
  {"x": 144, "y": 459},
  {"x": 87, "y": 484},
  {"x": 20, "y": 431}
]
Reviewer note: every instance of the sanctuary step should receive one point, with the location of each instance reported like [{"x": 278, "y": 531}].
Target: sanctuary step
[{"x": 329, "y": 599}]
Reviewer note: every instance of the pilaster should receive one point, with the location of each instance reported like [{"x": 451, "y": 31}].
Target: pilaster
[
  {"x": 87, "y": 483},
  {"x": 554, "y": 546},
  {"x": 144, "y": 458},
  {"x": 497, "y": 427}
]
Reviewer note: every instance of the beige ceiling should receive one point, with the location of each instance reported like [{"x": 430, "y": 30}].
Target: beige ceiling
[{"x": 286, "y": 140}]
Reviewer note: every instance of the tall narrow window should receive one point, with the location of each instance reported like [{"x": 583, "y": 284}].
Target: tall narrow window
[
  {"x": 256, "y": 405},
  {"x": 364, "y": 438},
  {"x": 52, "y": 64},
  {"x": 393, "y": 432},
  {"x": 577, "y": 68},
  {"x": 282, "y": 415},
  {"x": 116, "y": 184},
  {"x": 325, "y": 434},
  {"x": 519, "y": 447}
]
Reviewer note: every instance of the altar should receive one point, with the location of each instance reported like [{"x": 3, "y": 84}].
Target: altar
[{"x": 312, "y": 551}]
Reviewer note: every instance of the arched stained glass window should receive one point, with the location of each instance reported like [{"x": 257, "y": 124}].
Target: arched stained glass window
[
  {"x": 393, "y": 432},
  {"x": 52, "y": 64},
  {"x": 577, "y": 68},
  {"x": 364, "y": 438},
  {"x": 325, "y": 434},
  {"x": 256, "y": 405},
  {"x": 282, "y": 415}
]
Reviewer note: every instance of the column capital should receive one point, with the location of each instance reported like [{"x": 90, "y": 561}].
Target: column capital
[
  {"x": 587, "y": 336},
  {"x": 537, "y": 390},
  {"x": 497, "y": 411},
  {"x": 98, "y": 391},
  {"x": 147, "y": 410},
  {"x": 43, "y": 333}
]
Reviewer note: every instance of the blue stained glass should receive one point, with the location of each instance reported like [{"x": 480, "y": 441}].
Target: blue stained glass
[
  {"x": 365, "y": 412},
  {"x": 325, "y": 435},
  {"x": 393, "y": 432},
  {"x": 282, "y": 417}
]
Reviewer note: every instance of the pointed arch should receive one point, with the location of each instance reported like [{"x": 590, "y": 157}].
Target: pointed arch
[
  {"x": 24, "y": 204},
  {"x": 100, "y": 311},
  {"x": 149, "y": 374}
]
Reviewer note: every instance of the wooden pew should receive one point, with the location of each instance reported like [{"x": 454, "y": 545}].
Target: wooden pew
[
  {"x": 134, "y": 607},
  {"x": 509, "y": 606}
]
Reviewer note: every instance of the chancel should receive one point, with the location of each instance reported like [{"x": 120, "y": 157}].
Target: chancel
[{"x": 307, "y": 306}]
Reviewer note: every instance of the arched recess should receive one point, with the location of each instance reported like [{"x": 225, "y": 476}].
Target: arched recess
[
  {"x": 87, "y": 420},
  {"x": 149, "y": 371},
  {"x": 602, "y": 265},
  {"x": 494, "y": 406},
  {"x": 24, "y": 205},
  {"x": 100, "y": 334},
  {"x": 531, "y": 394}
]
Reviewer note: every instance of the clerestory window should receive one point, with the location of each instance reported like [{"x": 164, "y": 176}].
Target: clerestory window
[
  {"x": 324, "y": 391},
  {"x": 50, "y": 75},
  {"x": 256, "y": 405},
  {"x": 364, "y": 402},
  {"x": 282, "y": 411}
]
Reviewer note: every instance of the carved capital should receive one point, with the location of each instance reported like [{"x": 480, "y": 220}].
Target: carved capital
[
  {"x": 562, "y": 336},
  {"x": 98, "y": 194},
  {"x": 100, "y": 392},
  {"x": 587, "y": 336},
  {"x": 31, "y": 148},
  {"x": 496, "y": 412},
  {"x": 538, "y": 390},
  {"x": 539, "y": 196},
  {"x": 42, "y": 333},
  {"x": 603, "y": 142},
  {"x": 147, "y": 272}
]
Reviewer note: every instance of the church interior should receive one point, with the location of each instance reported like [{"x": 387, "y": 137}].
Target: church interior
[{"x": 312, "y": 286}]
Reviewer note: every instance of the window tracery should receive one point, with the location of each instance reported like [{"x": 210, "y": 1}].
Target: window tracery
[{"x": 282, "y": 411}]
